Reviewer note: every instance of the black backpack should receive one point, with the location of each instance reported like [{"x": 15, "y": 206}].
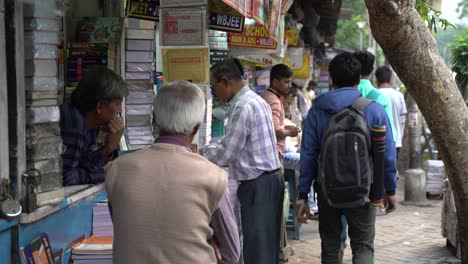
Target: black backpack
[{"x": 345, "y": 161}]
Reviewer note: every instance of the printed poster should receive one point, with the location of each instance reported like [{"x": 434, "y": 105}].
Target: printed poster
[
  {"x": 254, "y": 36},
  {"x": 186, "y": 64},
  {"x": 304, "y": 71},
  {"x": 183, "y": 27},
  {"x": 260, "y": 11},
  {"x": 274, "y": 16},
  {"x": 244, "y": 7},
  {"x": 100, "y": 30},
  {"x": 143, "y": 9},
  {"x": 179, "y": 3}
]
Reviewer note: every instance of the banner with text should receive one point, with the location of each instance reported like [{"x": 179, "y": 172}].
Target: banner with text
[
  {"x": 254, "y": 36},
  {"x": 143, "y": 9}
]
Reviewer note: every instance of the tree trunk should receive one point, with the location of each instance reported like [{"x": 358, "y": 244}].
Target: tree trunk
[{"x": 412, "y": 52}]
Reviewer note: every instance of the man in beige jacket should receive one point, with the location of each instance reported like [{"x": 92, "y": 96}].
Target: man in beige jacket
[{"x": 163, "y": 198}]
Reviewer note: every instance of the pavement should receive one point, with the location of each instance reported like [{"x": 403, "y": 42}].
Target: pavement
[{"x": 411, "y": 234}]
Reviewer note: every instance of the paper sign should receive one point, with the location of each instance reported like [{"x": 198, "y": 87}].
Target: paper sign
[
  {"x": 143, "y": 9},
  {"x": 183, "y": 27},
  {"x": 295, "y": 58},
  {"x": 304, "y": 72},
  {"x": 179, "y": 3},
  {"x": 255, "y": 36},
  {"x": 186, "y": 64}
]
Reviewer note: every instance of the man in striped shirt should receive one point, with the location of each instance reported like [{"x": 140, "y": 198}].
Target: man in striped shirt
[
  {"x": 249, "y": 149},
  {"x": 94, "y": 106}
]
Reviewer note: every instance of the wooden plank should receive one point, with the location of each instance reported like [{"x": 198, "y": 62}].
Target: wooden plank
[{"x": 4, "y": 160}]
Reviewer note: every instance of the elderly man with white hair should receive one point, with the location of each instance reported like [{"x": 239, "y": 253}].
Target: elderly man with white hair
[{"x": 170, "y": 205}]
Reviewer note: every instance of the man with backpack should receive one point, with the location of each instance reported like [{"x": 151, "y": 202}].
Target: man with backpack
[{"x": 336, "y": 153}]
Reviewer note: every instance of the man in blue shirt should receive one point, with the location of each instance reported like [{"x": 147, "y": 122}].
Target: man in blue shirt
[
  {"x": 345, "y": 72},
  {"x": 93, "y": 108}
]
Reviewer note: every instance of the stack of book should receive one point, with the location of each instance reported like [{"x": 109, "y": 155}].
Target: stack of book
[
  {"x": 102, "y": 221},
  {"x": 218, "y": 46},
  {"x": 94, "y": 250},
  {"x": 435, "y": 177},
  {"x": 82, "y": 57},
  {"x": 139, "y": 65},
  {"x": 323, "y": 84},
  {"x": 42, "y": 35}
]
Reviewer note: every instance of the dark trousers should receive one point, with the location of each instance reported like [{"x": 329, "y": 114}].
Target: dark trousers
[
  {"x": 261, "y": 202},
  {"x": 361, "y": 232}
]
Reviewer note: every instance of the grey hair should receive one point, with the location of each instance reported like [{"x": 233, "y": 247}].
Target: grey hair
[
  {"x": 99, "y": 84},
  {"x": 178, "y": 108}
]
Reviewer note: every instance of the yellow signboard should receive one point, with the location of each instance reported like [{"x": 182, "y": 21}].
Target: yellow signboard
[{"x": 186, "y": 64}]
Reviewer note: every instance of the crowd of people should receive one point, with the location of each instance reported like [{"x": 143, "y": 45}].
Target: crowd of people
[{"x": 170, "y": 205}]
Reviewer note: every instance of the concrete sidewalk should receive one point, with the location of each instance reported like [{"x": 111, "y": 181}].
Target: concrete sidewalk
[{"x": 411, "y": 234}]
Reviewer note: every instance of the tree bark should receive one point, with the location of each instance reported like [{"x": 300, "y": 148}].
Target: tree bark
[{"x": 412, "y": 52}]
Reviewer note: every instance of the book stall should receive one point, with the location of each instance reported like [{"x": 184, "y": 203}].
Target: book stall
[{"x": 147, "y": 42}]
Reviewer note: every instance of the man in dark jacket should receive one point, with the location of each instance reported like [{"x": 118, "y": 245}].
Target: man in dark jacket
[{"x": 345, "y": 73}]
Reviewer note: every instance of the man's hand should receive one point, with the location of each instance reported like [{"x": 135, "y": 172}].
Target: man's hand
[
  {"x": 390, "y": 202},
  {"x": 303, "y": 212},
  {"x": 116, "y": 129},
  {"x": 292, "y": 130},
  {"x": 214, "y": 243}
]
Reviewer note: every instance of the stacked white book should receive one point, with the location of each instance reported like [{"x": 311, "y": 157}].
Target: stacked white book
[
  {"x": 102, "y": 221},
  {"x": 42, "y": 34},
  {"x": 139, "y": 65},
  {"x": 435, "y": 170}
]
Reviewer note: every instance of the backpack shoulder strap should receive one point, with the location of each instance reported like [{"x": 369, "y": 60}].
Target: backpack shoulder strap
[{"x": 361, "y": 103}]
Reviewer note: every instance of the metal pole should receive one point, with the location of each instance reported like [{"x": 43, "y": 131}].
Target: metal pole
[{"x": 4, "y": 159}]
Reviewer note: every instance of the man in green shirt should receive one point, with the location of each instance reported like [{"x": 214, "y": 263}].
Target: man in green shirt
[{"x": 367, "y": 90}]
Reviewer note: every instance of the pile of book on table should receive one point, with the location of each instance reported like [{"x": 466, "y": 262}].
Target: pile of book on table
[{"x": 93, "y": 250}]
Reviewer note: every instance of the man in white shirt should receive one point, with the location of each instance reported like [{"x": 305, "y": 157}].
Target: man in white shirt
[{"x": 385, "y": 80}]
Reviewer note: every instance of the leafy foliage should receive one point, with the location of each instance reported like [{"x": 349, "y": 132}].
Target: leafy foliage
[
  {"x": 462, "y": 9},
  {"x": 459, "y": 50},
  {"x": 347, "y": 34},
  {"x": 431, "y": 17}
]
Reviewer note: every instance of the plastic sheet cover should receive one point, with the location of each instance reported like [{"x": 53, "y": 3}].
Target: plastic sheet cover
[
  {"x": 45, "y": 148},
  {"x": 42, "y": 84},
  {"x": 140, "y": 131},
  {"x": 46, "y": 114},
  {"x": 139, "y": 109}
]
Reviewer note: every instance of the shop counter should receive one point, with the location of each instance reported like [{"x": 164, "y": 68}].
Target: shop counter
[
  {"x": 65, "y": 223},
  {"x": 5, "y": 239}
]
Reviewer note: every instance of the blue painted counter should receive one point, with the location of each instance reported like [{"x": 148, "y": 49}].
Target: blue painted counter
[
  {"x": 5, "y": 239},
  {"x": 64, "y": 222}
]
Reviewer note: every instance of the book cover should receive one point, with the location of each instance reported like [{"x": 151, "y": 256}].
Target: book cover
[{"x": 38, "y": 251}]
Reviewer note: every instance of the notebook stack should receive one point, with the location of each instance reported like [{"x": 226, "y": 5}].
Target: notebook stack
[
  {"x": 139, "y": 65},
  {"x": 43, "y": 142},
  {"x": 94, "y": 250},
  {"x": 435, "y": 177},
  {"x": 102, "y": 221},
  {"x": 323, "y": 84}
]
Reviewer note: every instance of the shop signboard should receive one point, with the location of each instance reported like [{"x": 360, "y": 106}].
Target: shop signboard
[
  {"x": 225, "y": 18},
  {"x": 254, "y": 36},
  {"x": 179, "y": 3},
  {"x": 226, "y": 22},
  {"x": 244, "y": 7},
  {"x": 143, "y": 9},
  {"x": 183, "y": 27}
]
